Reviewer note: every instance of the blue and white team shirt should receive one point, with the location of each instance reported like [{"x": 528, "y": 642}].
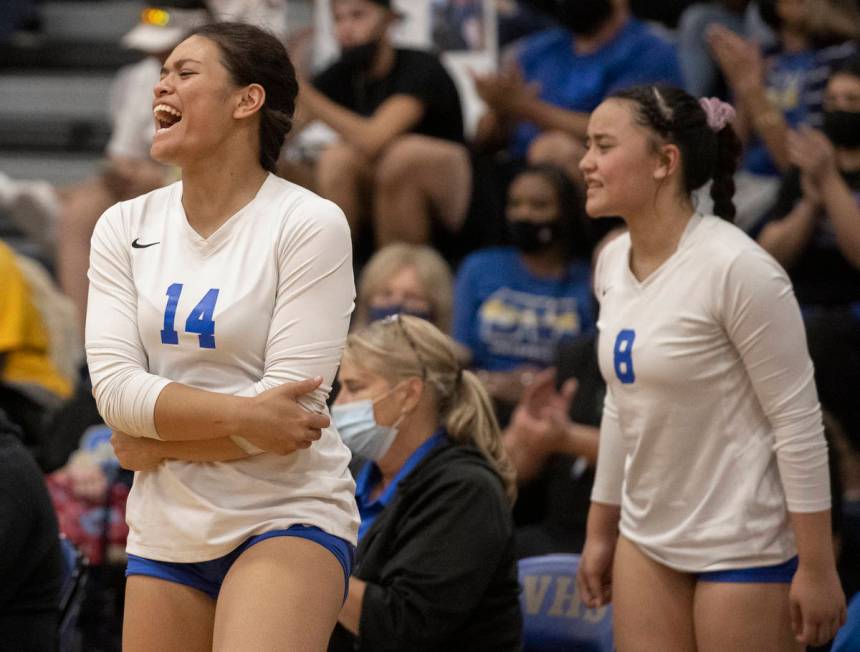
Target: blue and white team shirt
[
  {"x": 711, "y": 428},
  {"x": 264, "y": 300},
  {"x": 507, "y": 317}
]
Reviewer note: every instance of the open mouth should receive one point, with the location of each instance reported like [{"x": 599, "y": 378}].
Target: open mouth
[{"x": 166, "y": 117}]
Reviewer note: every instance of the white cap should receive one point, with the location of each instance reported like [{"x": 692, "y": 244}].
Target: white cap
[{"x": 162, "y": 28}]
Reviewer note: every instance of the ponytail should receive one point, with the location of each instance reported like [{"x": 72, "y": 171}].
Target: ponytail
[
  {"x": 723, "y": 184},
  {"x": 402, "y": 346},
  {"x": 701, "y": 129},
  {"x": 471, "y": 420}
]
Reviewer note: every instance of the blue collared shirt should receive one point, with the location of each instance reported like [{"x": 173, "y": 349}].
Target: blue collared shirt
[{"x": 370, "y": 476}]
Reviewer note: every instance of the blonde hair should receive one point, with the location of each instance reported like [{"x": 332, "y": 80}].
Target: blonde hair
[
  {"x": 402, "y": 347},
  {"x": 432, "y": 270}
]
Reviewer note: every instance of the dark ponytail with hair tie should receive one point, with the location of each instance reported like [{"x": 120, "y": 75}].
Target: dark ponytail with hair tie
[
  {"x": 708, "y": 152},
  {"x": 723, "y": 183}
]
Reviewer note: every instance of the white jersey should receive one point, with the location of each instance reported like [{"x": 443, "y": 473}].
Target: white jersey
[
  {"x": 711, "y": 426},
  {"x": 264, "y": 300}
]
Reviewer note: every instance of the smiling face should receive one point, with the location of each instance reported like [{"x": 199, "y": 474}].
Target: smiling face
[
  {"x": 194, "y": 103},
  {"x": 620, "y": 163}
]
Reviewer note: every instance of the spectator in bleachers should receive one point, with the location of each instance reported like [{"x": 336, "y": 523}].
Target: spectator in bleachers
[
  {"x": 813, "y": 230},
  {"x": 64, "y": 218},
  {"x": 399, "y": 157},
  {"x": 31, "y": 385},
  {"x": 782, "y": 88},
  {"x": 30, "y": 560},
  {"x": 539, "y": 105},
  {"x": 552, "y": 441},
  {"x": 513, "y": 305},
  {"x": 700, "y": 69},
  {"x": 435, "y": 566},
  {"x": 405, "y": 279}
]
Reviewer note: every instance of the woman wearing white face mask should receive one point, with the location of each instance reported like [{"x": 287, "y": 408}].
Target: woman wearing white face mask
[{"x": 435, "y": 564}]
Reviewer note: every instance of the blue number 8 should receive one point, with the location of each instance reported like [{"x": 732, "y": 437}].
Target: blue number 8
[{"x": 623, "y": 356}]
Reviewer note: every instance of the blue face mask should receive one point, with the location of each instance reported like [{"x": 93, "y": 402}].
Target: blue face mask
[{"x": 358, "y": 429}]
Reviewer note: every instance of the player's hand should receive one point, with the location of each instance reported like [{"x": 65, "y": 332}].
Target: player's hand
[
  {"x": 817, "y": 605},
  {"x": 278, "y": 424},
  {"x": 594, "y": 575},
  {"x": 135, "y": 453}
]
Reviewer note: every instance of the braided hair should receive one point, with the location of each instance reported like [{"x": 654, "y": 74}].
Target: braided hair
[{"x": 678, "y": 118}]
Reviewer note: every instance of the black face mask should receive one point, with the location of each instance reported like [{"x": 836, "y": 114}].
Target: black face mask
[
  {"x": 534, "y": 237},
  {"x": 360, "y": 58},
  {"x": 843, "y": 128},
  {"x": 584, "y": 17}
]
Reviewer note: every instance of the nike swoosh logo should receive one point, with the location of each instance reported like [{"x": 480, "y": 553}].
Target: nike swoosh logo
[{"x": 137, "y": 244}]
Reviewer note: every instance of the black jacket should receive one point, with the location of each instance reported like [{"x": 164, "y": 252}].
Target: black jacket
[
  {"x": 30, "y": 561},
  {"x": 439, "y": 563}
]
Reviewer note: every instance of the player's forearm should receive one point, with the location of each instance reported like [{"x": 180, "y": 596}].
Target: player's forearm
[
  {"x": 184, "y": 413},
  {"x": 222, "y": 449},
  {"x": 812, "y": 533},
  {"x": 787, "y": 238},
  {"x": 602, "y": 521},
  {"x": 844, "y": 214}
]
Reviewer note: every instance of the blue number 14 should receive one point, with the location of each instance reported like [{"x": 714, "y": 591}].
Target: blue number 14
[{"x": 199, "y": 319}]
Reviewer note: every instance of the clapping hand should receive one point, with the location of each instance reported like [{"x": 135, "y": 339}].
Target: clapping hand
[
  {"x": 739, "y": 59},
  {"x": 505, "y": 92}
]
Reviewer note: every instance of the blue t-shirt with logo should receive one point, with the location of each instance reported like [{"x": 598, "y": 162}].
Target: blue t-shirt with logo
[
  {"x": 579, "y": 82},
  {"x": 508, "y": 317}
]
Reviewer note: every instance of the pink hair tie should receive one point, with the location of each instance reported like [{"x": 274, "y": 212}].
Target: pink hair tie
[{"x": 718, "y": 113}]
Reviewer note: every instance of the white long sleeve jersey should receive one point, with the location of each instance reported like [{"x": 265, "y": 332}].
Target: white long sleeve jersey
[
  {"x": 264, "y": 300},
  {"x": 712, "y": 428}
]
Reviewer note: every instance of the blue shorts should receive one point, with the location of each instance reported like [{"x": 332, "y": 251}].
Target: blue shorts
[
  {"x": 779, "y": 574},
  {"x": 207, "y": 576}
]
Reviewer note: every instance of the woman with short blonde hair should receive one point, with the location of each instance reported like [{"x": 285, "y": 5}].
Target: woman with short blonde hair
[{"x": 408, "y": 278}]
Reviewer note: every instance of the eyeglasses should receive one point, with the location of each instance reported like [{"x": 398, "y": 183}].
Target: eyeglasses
[{"x": 396, "y": 318}]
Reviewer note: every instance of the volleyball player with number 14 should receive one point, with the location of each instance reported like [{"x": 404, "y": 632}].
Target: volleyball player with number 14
[
  {"x": 218, "y": 312},
  {"x": 709, "y": 526}
]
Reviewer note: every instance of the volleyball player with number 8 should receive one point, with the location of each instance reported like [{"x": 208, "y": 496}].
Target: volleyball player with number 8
[
  {"x": 218, "y": 312},
  {"x": 709, "y": 526}
]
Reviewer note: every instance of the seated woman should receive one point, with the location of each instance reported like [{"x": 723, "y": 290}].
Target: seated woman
[
  {"x": 408, "y": 279},
  {"x": 435, "y": 565},
  {"x": 514, "y": 305}
]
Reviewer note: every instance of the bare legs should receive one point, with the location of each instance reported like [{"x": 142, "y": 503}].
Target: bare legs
[
  {"x": 657, "y": 608},
  {"x": 283, "y": 593},
  {"x": 415, "y": 180}
]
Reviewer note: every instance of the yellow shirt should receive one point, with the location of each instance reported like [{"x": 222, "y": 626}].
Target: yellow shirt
[{"x": 23, "y": 339}]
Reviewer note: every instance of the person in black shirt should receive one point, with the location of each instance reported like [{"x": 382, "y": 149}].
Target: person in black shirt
[
  {"x": 30, "y": 558},
  {"x": 400, "y": 155},
  {"x": 814, "y": 232}
]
